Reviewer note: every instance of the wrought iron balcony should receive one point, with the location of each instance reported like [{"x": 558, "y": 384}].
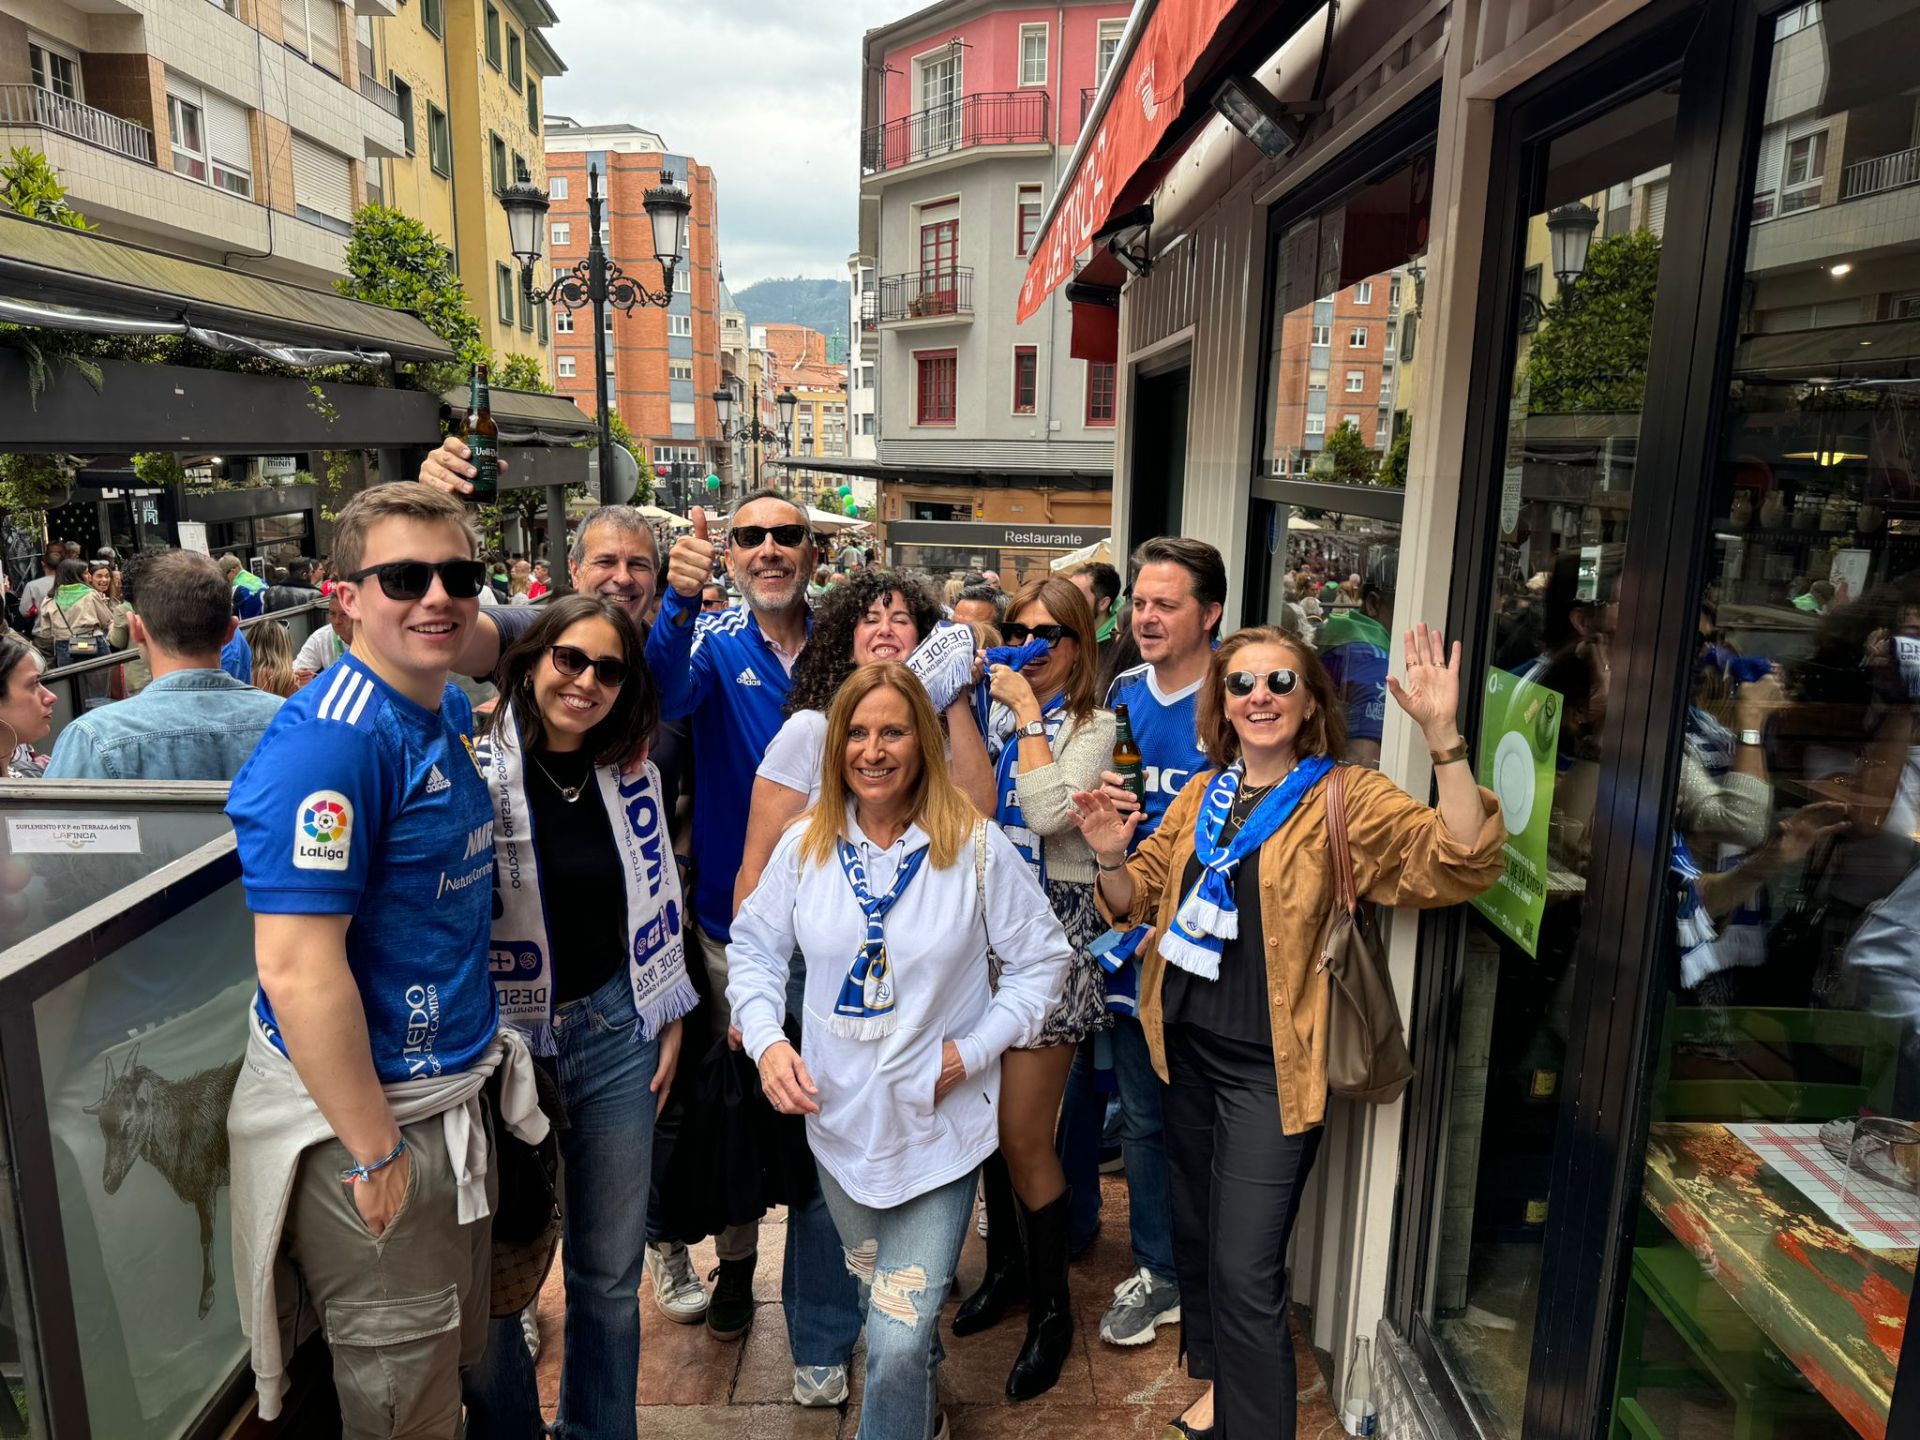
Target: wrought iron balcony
[
  {"x": 869, "y": 310},
  {"x": 1883, "y": 172},
  {"x": 927, "y": 294},
  {"x": 1000, "y": 117},
  {"x": 1086, "y": 104},
  {"x": 32, "y": 105}
]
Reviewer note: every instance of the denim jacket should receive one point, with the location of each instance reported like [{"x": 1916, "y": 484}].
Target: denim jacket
[{"x": 190, "y": 725}]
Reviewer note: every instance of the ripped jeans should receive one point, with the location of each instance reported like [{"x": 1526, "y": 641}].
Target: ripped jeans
[{"x": 904, "y": 1258}]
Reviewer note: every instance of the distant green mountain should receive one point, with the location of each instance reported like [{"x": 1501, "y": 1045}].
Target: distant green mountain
[{"x": 819, "y": 304}]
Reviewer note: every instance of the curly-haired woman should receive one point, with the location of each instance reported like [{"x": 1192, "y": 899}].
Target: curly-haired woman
[{"x": 875, "y": 615}]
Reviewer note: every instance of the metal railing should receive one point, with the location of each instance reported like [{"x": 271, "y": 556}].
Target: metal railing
[
  {"x": 869, "y": 310},
  {"x": 32, "y": 105},
  {"x": 380, "y": 95},
  {"x": 1000, "y": 117},
  {"x": 1883, "y": 172},
  {"x": 1086, "y": 104},
  {"x": 927, "y": 294}
]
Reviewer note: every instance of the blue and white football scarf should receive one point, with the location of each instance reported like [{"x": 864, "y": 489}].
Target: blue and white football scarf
[
  {"x": 944, "y": 663},
  {"x": 1053, "y": 715},
  {"x": 867, "y": 1008},
  {"x": 1208, "y": 915},
  {"x": 1014, "y": 657},
  {"x": 1693, "y": 925},
  {"x": 522, "y": 947}
]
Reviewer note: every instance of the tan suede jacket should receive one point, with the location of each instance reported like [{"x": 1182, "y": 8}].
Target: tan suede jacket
[{"x": 1403, "y": 855}]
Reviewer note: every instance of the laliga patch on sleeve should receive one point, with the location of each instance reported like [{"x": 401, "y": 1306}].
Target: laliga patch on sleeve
[{"x": 323, "y": 831}]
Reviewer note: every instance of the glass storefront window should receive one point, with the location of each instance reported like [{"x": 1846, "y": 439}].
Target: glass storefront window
[
  {"x": 1347, "y": 284},
  {"x": 1567, "y": 486},
  {"x": 1773, "y": 1255}
]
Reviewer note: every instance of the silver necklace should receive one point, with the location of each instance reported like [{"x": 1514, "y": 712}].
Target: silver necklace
[{"x": 568, "y": 793}]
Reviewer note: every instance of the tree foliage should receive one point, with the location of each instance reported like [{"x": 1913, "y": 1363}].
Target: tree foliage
[
  {"x": 1590, "y": 352},
  {"x": 521, "y": 372},
  {"x": 1393, "y": 469},
  {"x": 1346, "y": 457},
  {"x": 394, "y": 260},
  {"x": 31, "y": 187}
]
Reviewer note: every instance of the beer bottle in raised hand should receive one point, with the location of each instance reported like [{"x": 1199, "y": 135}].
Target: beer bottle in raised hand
[{"x": 482, "y": 436}]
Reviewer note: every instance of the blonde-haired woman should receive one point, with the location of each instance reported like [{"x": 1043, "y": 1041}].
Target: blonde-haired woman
[
  {"x": 272, "y": 658},
  {"x": 894, "y": 890},
  {"x": 1053, "y": 742}
]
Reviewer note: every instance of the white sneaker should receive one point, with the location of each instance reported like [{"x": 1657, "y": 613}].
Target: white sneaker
[
  {"x": 677, "y": 1291},
  {"x": 820, "y": 1386},
  {"x": 530, "y": 1328}
]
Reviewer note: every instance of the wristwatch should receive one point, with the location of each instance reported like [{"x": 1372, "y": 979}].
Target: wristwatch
[
  {"x": 1750, "y": 737},
  {"x": 1033, "y": 729}
]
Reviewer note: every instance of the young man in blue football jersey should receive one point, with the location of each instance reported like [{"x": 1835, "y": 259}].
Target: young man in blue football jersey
[
  {"x": 366, "y": 846},
  {"x": 731, "y": 673},
  {"x": 1179, "y": 588}
]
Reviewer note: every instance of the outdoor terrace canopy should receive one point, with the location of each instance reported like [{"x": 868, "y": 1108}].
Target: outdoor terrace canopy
[{"x": 101, "y": 278}]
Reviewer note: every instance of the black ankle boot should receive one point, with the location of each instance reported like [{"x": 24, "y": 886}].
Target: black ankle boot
[
  {"x": 1005, "y": 1283},
  {"x": 1050, "y": 1311}
]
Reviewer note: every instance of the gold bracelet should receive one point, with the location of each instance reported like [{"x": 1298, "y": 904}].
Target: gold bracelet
[{"x": 1447, "y": 757}]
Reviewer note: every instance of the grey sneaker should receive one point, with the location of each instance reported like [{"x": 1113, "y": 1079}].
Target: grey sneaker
[
  {"x": 677, "y": 1291},
  {"x": 820, "y": 1386},
  {"x": 1140, "y": 1303}
]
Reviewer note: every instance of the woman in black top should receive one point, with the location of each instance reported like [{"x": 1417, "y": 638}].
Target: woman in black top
[{"x": 588, "y": 961}]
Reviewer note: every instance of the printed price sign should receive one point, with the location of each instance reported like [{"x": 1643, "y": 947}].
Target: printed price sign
[{"x": 1519, "y": 735}]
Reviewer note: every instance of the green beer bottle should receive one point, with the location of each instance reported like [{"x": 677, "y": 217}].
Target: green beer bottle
[
  {"x": 483, "y": 439},
  {"x": 1127, "y": 759}
]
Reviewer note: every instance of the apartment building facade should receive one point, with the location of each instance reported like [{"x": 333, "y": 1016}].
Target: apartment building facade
[
  {"x": 802, "y": 361},
  {"x": 470, "y": 80},
  {"x": 245, "y": 134},
  {"x": 663, "y": 361},
  {"x": 969, "y": 114}
]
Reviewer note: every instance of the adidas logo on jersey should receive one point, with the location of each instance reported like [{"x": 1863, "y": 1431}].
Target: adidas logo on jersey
[
  {"x": 436, "y": 782},
  {"x": 746, "y": 677}
]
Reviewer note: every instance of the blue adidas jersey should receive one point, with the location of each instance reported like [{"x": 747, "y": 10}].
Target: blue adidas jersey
[
  {"x": 720, "y": 671},
  {"x": 359, "y": 802},
  {"x": 1164, "y": 729}
]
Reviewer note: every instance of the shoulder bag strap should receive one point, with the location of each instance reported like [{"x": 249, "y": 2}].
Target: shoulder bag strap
[{"x": 1337, "y": 839}]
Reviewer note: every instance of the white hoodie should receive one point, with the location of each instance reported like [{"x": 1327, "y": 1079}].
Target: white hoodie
[{"x": 878, "y": 1131}]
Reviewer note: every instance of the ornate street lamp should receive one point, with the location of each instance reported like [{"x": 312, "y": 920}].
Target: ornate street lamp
[
  {"x": 1570, "y": 230},
  {"x": 596, "y": 282},
  {"x": 749, "y": 427}
]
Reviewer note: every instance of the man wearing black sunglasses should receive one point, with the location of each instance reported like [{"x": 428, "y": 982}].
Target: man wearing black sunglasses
[
  {"x": 365, "y": 835},
  {"x": 730, "y": 673}
]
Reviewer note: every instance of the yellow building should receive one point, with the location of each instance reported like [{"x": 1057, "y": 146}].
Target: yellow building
[{"x": 471, "y": 76}]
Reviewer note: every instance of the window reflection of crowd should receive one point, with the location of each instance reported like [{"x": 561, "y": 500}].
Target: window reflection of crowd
[{"x": 1798, "y": 807}]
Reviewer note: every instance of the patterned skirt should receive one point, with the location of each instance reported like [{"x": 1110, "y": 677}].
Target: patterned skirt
[{"x": 1082, "y": 1006}]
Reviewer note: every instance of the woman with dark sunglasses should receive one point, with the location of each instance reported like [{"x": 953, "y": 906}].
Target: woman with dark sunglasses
[
  {"x": 1052, "y": 743},
  {"x": 1231, "y": 995},
  {"x": 589, "y": 963}
]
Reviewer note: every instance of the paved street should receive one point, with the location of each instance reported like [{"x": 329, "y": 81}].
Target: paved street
[{"x": 694, "y": 1389}]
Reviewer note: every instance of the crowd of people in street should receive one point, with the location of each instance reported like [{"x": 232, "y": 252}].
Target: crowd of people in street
[{"x": 770, "y": 877}]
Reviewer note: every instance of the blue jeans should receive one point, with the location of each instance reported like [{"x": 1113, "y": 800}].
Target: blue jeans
[
  {"x": 605, "y": 1155},
  {"x": 817, "y": 1295},
  {"x": 903, "y": 1258},
  {"x": 1149, "y": 1197}
]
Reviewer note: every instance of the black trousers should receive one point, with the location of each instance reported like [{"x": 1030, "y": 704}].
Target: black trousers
[{"x": 1236, "y": 1181}]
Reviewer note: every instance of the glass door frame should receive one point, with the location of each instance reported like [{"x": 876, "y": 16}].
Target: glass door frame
[{"x": 1723, "y": 48}]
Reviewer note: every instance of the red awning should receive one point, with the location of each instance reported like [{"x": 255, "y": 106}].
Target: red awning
[
  {"x": 1142, "y": 106},
  {"x": 1095, "y": 293}
]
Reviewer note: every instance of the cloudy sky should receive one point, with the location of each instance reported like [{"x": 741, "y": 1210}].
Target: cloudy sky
[{"x": 764, "y": 91}]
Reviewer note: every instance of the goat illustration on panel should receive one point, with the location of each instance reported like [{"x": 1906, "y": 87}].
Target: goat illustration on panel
[{"x": 177, "y": 1126}]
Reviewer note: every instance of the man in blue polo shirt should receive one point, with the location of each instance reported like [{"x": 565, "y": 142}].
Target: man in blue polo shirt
[
  {"x": 365, "y": 839},
  {"x": 731, "y": 672},
  {"x": 1179, "y": 588}
]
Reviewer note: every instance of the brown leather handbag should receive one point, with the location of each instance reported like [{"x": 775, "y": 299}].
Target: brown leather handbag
[{"x": 1367, "y": 1055}]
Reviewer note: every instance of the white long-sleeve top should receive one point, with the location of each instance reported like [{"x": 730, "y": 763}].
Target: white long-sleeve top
[{"x": 879, "y": 1132}]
